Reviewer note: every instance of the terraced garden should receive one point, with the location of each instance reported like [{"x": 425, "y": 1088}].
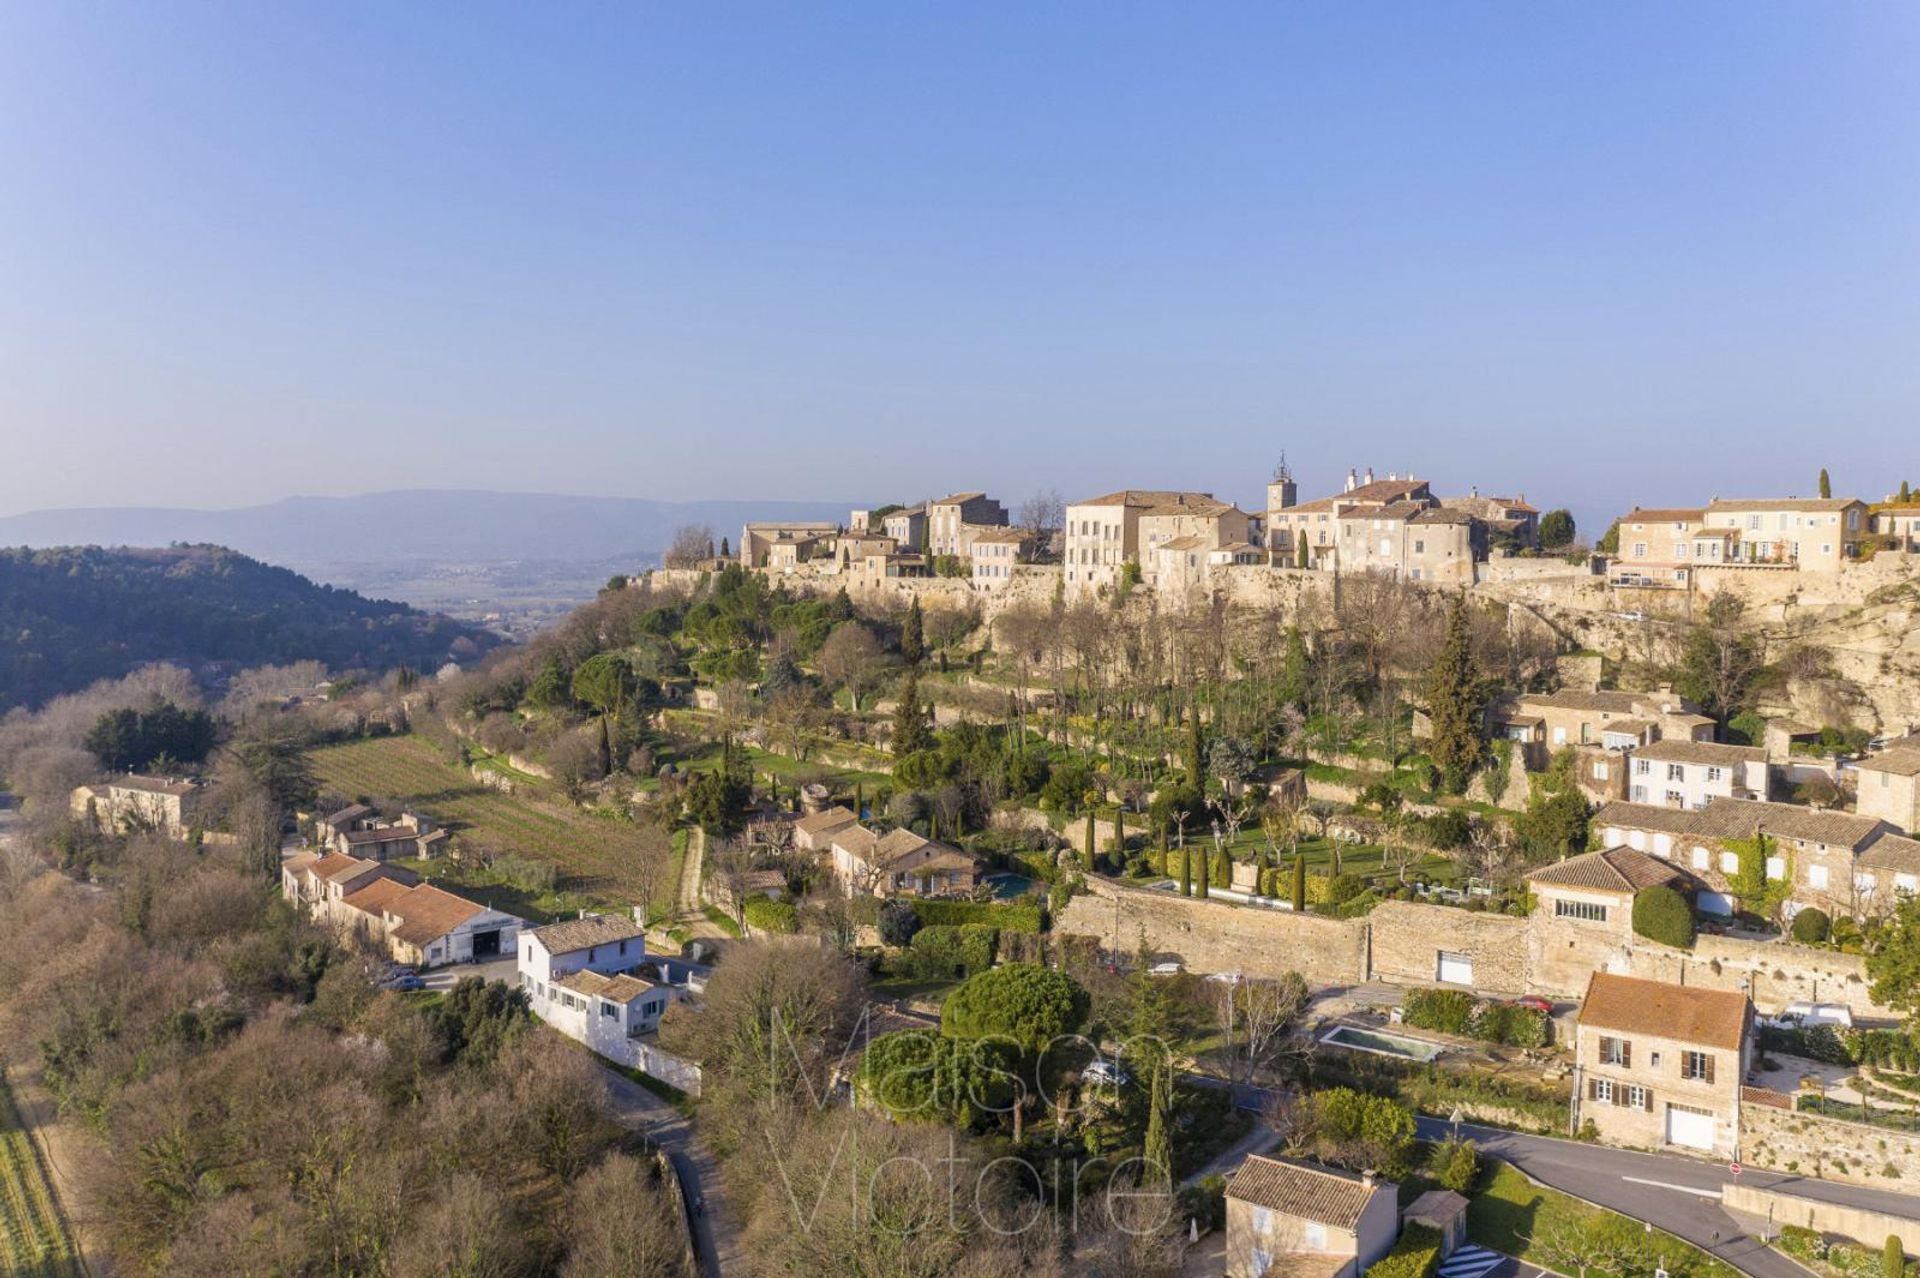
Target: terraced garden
[
  {"x": 34, "y": 1242},
  {"x": 594, "y": 854}
]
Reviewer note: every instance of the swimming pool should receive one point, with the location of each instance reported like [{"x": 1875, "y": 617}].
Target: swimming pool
[{"x": 1380, "y": 1043}]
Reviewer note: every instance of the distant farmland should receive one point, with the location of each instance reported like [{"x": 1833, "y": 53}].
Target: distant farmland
[{"x": 593, "y": 854}]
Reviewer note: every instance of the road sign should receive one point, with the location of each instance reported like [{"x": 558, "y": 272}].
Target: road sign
[{"x": 1734, "y": 1168}]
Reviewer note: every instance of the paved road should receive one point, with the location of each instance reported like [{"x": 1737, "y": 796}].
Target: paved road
[
  {"x": 1679, "y": 1195},
  {"x": 716, "y": 1233}
]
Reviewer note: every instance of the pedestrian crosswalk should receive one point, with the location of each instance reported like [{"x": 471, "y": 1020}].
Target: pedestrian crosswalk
[{"x": 1469, "y": 1262}]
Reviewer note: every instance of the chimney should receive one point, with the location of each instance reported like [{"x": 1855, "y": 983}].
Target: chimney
[
  {"x": 1474, "y": 491},
  {"x": 1368, "y": 1177},
  {"x": 1369, "y": 474}
]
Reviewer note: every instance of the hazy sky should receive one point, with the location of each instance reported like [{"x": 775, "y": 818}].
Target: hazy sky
[{"x": 1597, "y": 252}]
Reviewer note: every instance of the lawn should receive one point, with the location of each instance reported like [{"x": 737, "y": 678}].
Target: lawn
[
  {"x": 34, "y": 1242},
  {"x": 1511, "y": 1213},
  {"x": 592, "y": 852}
]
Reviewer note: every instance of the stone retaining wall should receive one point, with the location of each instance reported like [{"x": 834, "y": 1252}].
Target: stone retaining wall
[{"x": 1831, "y": 1149}]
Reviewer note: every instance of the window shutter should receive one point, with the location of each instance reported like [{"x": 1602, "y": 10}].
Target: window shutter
[
  {"x": 1626, "y": 1054},
  {"x": 1593, "y": 1089},
  {"x": 1646, "y": 1096},
  {"x": 1708, "y": 1076}
]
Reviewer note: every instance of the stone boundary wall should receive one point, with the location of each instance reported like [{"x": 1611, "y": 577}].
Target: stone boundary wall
[
  {"x": 1407, "y": 936},
  {"x": 1772, "y": 973},
  {"x": 1215, "y": 936},
  {"x": 1833, "y": 1149}
]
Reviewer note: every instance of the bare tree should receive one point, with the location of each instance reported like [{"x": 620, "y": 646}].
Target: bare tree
[
  {"x": 851, "y": 658},
  {"x": 622, "y": 1225},
  {"x": 1042, "y": 513},
  {"x": 692, "y": 546}
]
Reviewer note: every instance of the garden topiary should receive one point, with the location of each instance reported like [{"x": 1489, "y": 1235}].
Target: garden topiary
[
  {"x": 1662, "y": 914},
  {"x": 1812, "y": 927}
]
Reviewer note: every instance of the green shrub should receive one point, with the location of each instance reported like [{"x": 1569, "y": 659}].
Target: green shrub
[
  {"x": 1017, "y": 916},
  {"x": 1448, "y": 1011},
  {"x": 1454, "y": 1163},
  {"x": 1893, "y": 1260},
  {"x": 1342, "y": 888},
  {"x": 942, "y": 951},
  {"x": 764, "y": 915},
  {"x": 1812, "y": 927},
  {"x": 1662, "y": 914},
  {"x": 1415, "y": 1255}
]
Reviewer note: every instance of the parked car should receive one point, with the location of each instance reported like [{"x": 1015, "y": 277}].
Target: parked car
[
  {"x": 1807, "y": 1014},
  {"x": 1170, "y": 968},
  {"x": 1534, "y": 1003},
  {"x": 1105, "y": 1071},
  {"x": 403, "y": 982}
]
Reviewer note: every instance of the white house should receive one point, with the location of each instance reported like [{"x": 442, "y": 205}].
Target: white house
[
  {"x": 582, "y": 977},
  {"x": 1691, "y": 774}
]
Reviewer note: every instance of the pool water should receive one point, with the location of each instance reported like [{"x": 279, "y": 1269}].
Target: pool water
[{"x": 1380, "y": 1043}]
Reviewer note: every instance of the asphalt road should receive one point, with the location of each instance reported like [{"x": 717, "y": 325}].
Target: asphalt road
[
  {"x": 716, "y": 1235},
  {"x": 1679, "y": 1195}
]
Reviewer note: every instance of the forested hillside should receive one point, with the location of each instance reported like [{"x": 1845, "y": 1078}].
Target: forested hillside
[{"x": 72, "y": 615}]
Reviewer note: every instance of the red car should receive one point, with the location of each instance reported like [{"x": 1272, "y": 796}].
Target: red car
[{"x": 1533, "y": 1002}]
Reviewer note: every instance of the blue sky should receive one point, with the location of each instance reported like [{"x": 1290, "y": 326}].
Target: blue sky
[{"x": 1599, "y": 253}]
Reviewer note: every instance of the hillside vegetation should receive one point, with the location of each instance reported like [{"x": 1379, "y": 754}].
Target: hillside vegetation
[{"x": 73, "y": 615}]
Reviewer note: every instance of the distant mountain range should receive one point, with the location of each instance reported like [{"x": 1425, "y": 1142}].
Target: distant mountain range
[{"x": 412, "y": 526}]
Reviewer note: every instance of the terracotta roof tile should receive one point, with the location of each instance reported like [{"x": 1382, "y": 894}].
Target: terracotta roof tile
[
  {"x": 1303, "y": 1190},
  {"x": 1685, "y": 1013},
  {"x": 1609, "y": 870}
]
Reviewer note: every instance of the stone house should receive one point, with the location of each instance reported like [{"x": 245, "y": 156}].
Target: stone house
[
  {"x": 583, "y": 977},
  {"x": 1818, "y": 853},
  {"x": 1889, "y": 788},
  {"x": 877, "y": 570},
  {"x": 899, "y": 863},
  {"x": 1677, "y": 773},
  {"x": 319, "y": 881},
  {"x": 757, "y": 539},
  {"x": 815, "y": 833},
  {"x": 1900, "y": 523},
  {"x": 409, "y": 837},
  {"x": 1813, "y": 534},
  {"x": 1288, "y": 517},
  {"x": 1593, "y": 893},
  {"x": 994, "y": 553},
  {"x": 1657, "y": 546},
  {"x": 129, "y": 802},
  {"x": 1660, "y": 1066},
  {"x": 850, "y": 549},
  {"x": 908, "y": 526},
  {"x": 428, "y": 926},
  {"x": 955, "y": 520},
  {"x": 1103, "y": 534},
  {"x": 1303, "y": 1220},
  {"x": 1411, "y": 541},
  {"x": 1508, "y": 519},
  {"x": 1544, "y": 723}
]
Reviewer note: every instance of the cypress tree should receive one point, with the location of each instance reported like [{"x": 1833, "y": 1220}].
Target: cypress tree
[
  {"x": 1089, "y": 838},
  {"x": 913, "y": 634},
  {"x": 1186, "y": 873},
  {"x": 910, "y": 730},
  {"x": 1453, "y": 703},
  {"x": 1304, "y": 559},
  {"x": 606, "y": 748},
  {"x": 724, "y": 552},
  {"x": 1893, "y": 1258},
  {"x": 1196, "y": 753},
  {"x": 859, "y": 801},
  {"x": 1203, "y": 877},
  {"x": 1906, "y": 491},
  {"x": 1299, "y": 884},
  {"x": 1158, "y": 1149},
  {"x": 1222, "y": 872},
  {"x": 1164, "y": 853},
  {"x": 1826, "y": 484}
]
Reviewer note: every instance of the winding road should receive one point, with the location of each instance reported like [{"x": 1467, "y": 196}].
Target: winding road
[
  {"x": 1679, "y": 1195},
  {"x": 716, "y": 1234}
]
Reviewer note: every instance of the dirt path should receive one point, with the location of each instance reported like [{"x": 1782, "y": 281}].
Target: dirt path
[{"x": 690, "y": 916}]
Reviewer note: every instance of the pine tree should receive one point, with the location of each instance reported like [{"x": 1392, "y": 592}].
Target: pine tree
[
  {"x": 913, "y": 636},
  {"x": 1299, "y": 884},
  {"x": 1453, "y": 703},
  {"x": 1826, "y": 484},
  {"x": 1158, "y": 1149}
]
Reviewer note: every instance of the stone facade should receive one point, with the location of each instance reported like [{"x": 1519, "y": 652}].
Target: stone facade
[
  {"x": 1411, "y": 942},
  {"x": 1829, "y": 1148}
]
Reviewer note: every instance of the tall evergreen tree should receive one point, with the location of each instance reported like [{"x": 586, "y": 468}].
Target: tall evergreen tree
[
  {"x": 1196, "y": 750},
  {"x": 1089, "y": 854},
  {"x": 1826, "y": 484},
  {"x": 1204, "y": 866},
  {"x": 1293, "y": 669},
  {"x": 606, "y": 748},
  {"x": 1158, "y": 1149},
  {"x": 1299, "y": 884},
  {"x": 910, "y": 730},
  {"x": 1186, "y": 872},
  {"x": 1302, "y": 558},
  {"x": 913, "y": 633},
  {"x": 1453, "y": 703},
  {"x": 1906, "y": 491}
]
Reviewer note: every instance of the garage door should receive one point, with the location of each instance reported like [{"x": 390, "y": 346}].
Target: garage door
[
  {"x": 1714, "y": 903},
  {"x": 1455, "y": 969},
  {"x": 1690, "y": 1127}
]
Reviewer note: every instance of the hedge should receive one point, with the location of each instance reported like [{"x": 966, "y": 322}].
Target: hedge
[
  {"x": 1662, "y": 914},
  {"x": 1843, "y": 1045},
  {"x": 939, "y": 950},
  {"x": 1458, "y": 1012},
  {"x": 1007, "y": 917},
  {"x": 1415, "y": 1255},
  {"x": 1812, "y": 927},
  {"x": 766, "y": 915}
]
